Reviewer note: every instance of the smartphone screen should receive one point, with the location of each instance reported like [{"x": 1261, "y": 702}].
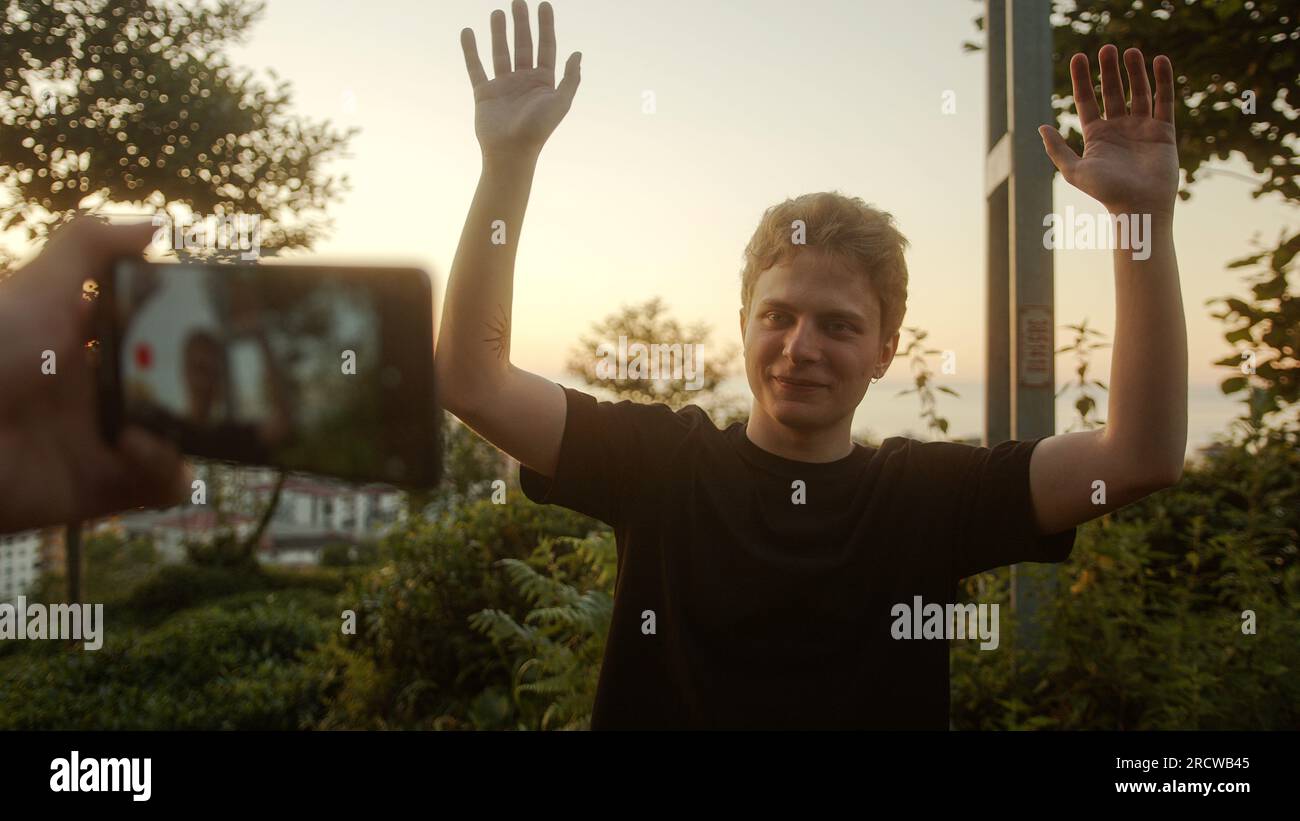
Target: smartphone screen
[{"x": 323, "y": 369}]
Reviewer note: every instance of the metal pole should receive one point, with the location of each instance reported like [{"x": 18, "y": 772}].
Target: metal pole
[
  {"x": 1020, "y": 395},
  {"x": 1029, "y": 95},
  {"x": 997, "y": 279}
]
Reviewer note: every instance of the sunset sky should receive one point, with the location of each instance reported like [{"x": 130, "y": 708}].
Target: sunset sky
[{"x": 756, "y": 101}]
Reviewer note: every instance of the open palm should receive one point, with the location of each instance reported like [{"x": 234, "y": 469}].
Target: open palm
[
  {"x": 519, "y": 108},
  {"x": 1130, "y": 158}
]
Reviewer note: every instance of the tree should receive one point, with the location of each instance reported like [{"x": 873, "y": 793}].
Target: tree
[
  {"x": 131, "y": 103},
  {"x": 470, "y": 463},
  {"x": 1267, "y": 341},
  {"x": 1238, "y": 66},
  {"x": 1236, "y": 63},
  {"x": 659, "y": 357},
  {"x": 226, "y": 548}
]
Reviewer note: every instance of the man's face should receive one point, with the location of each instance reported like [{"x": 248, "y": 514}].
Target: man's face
[
  {"x": 203, "y": 377},
  {"x": 812, "y": 340}
]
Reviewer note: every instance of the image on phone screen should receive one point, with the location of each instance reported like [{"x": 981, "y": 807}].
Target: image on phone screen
[{"x": 295, "y": 367}]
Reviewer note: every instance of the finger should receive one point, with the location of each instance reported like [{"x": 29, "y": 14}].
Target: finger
[
  {"x": 84, "y": 248},
  {"x": 1139, "y": 87},
  {"x": 472, "y": 63},
  {"x": 1112, "y": 85},
  {"x": 1085, "y": 99},
  {"x": 158, "y": 475},
  {"x": 546, "y": 39},
  {"x": 93, "y": 240},
  {"x": 523, "y": 35},
  {"x": 1164, "y": 71},
  {"x": 572, "y": 76},
  {"x": 1059, "y": 151},
  {"x": 500, "y": 52}
]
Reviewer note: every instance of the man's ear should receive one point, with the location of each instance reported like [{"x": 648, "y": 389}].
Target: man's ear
[
  {"x": 744, "y": 321},
  {"x": 887, "y": 353}
]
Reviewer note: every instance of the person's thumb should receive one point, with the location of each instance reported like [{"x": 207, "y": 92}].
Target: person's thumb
[
  {"x": 85, "y": 247},
  {"x": 1058, "y": 150},
  {"x": 159, "y": 476},
  {"x": 572, "y": 76}
]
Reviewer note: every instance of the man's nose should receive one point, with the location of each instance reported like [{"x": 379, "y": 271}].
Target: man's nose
[{"x": 802, "y": 343}]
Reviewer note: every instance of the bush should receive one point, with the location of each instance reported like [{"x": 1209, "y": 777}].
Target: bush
[
  {"x": 1147, "y": 629},
  {"x": 235, "y": 665},
  {"x": 558, "y": 648},
  {"x": 416, "y": 661},
  {"x": 342, "y": 554},
  {"x": 172, "y": 588},
  {"x": 112, "y": 566}
]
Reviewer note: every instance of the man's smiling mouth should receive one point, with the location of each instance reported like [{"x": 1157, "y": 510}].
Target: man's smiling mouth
[{"x": 797, "y": 383}]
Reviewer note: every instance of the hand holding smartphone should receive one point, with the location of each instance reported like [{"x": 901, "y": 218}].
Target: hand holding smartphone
[{"x": 322, "y": 369}]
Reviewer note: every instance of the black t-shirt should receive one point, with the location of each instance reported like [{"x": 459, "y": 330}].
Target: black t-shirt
[{"x": 768, "y": 613}]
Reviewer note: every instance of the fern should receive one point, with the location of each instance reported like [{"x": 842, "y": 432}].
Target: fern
[{"x": 558, "y": 644}]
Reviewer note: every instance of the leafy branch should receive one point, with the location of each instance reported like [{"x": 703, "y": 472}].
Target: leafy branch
[
  {"x": 923, "y": 381},
  {"x": 1082, "y": 347}
]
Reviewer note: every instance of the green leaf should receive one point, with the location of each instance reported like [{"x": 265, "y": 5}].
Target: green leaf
[
  {"x": 1233, "y": 385},
  {"x": 1284, "y": 254},
  {"x": 1240, "y": 307},
  {"x": 1271, "y": 289},
  {"x": 1246, "y": 262}
]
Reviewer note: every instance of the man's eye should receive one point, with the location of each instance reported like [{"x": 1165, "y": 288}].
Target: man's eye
[{"x": 841, "y": 326}]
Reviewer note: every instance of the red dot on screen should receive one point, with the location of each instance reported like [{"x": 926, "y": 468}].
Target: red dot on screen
[{"x": 143, "y": 355}]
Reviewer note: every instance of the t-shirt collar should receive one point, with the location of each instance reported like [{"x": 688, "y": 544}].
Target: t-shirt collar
[{"x": 793, "y": 468}]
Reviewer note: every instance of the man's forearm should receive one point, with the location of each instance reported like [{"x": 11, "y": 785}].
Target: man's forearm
[
  {"x": 474, "y": 337},
  {"x": 1147, "y": 413}
]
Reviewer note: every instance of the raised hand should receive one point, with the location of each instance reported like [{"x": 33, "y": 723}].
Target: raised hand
[
  {"x": 1130, "y": 158},
  {"x": 516, "y": 111}
]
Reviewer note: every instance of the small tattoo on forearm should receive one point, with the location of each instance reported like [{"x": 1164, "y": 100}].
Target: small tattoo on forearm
[{"x": 500, "y": 338}]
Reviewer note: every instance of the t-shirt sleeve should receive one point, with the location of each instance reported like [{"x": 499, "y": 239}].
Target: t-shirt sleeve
[
  {"x": 612, "y": 455},
  {"x": 992, "y": 509}
]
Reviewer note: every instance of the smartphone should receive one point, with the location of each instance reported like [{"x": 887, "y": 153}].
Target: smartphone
[{"x": 320, "y": 369}]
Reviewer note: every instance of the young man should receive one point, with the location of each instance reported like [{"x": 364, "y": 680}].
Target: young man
[{"x": 760, "y": 567}]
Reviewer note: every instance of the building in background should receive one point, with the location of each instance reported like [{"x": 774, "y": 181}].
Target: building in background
[
  {"x": 315, "y": 513},
  {"x": 189, "y": 524},
  {"x": 23, "y": 556},
  {"x": 312, "y": 514}
]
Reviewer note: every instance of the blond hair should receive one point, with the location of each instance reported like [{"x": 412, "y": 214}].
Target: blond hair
[{"x": 846, "y": 227}]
